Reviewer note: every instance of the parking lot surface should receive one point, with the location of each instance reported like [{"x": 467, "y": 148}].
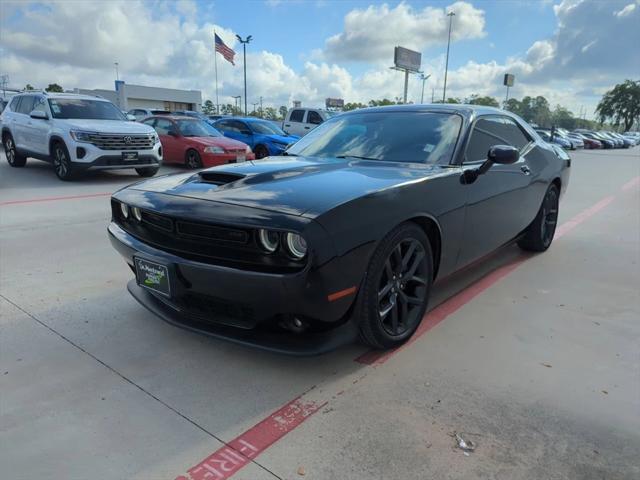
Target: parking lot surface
[{"x": 534, "y": 358}]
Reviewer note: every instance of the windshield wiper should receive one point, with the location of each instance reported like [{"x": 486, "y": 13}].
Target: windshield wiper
[{"x": 358, "y": 157}]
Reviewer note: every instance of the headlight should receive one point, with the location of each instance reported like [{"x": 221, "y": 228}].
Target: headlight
[
  {"x": 269, "y": 240},
  {"x": 125, "y": 210},
  {"x": 156, "y": 138},
  {"x": 137, "y": 214},
  {"x": 296, "y": 245},
  {"x": 80, "y": 136},
  {"x": 214, "y": 150},
  {"x": 248, "y": 149}
]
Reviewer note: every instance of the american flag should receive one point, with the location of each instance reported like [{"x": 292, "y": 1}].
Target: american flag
[{"x": 226, "y": 52}]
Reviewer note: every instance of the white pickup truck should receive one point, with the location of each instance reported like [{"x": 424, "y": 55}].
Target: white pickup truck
[{"x": 300, "y": 121}]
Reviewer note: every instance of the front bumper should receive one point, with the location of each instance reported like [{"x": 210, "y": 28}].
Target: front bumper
[
  {"x": 86, "y": 156},
  {"x": 244, "y": 306}
]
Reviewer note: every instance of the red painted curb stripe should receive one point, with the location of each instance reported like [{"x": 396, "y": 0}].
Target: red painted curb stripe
[
  {"x": 53, "y": 199},
  {"x": 227, "y": 460},
  {"x": 631, "y": 183},
  {"x": 454, "y": 303}
]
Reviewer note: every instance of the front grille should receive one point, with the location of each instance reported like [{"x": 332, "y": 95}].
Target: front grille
[
  {"x": 122, "y": 141},
  {"x": 215, "y": 310}
]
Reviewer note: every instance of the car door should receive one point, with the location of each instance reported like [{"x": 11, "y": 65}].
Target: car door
[
  {"x": 500, "y": 203},
  {"x": 313, "y": 120},
  {"x": 238, "y": 130},
  {"x": 36, "y": 130},
  {"x": 19, "y": 128},
  {"x": 295, "y": 122}
]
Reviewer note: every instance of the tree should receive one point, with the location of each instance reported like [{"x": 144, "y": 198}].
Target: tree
[
  {"x": 514, "y": 106},
  {"x": 208, "y": 108},
  {"x": 54, "y": 87},
  {"x": 270, "y": 113},
  {"x": 563, "y": 118},
  {"x": 475, "y": 99},
  {"x": 381, "y": 103},
  {"x": 621, "y": 104},
  {"x": 353, "y": 106},
  {"x": 283, "y": 111},
  {"x": 541, "y": 113},
  {"x": 29, "y": 87}
]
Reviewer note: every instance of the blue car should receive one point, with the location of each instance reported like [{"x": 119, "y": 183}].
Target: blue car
[
  {"x": 557, "y": 139},
  {"x": 264, "y": 137}
]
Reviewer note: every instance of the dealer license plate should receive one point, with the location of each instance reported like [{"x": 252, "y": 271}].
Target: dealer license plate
[
  {"x": 129, "y": 157},
  {"x": 153, "y": 276}
]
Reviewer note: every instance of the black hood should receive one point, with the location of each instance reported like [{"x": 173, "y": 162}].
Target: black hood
[{"x": 291, "y": 185}]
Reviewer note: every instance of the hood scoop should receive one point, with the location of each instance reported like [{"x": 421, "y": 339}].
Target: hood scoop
[{"x": 219, "y": 178}]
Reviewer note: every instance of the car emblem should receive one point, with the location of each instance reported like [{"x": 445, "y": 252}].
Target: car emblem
[{"x": 127, "y": 140}]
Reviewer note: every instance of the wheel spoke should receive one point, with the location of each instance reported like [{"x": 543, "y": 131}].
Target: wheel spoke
[
  {"x": 413, "y": 300},
  {"x": 384, "y": 312},
  {"x": 417, "y": 279},
  {"x": 414, "y": 266},
  {"x": 397, "y": 255},
  {"x": 404, "y": 309},
  {"x": 394, "y": 318},
  {"x": 388, "y": 270},
  {"x": 385, "y": 290},
  {"x": 407, "y": 256}
]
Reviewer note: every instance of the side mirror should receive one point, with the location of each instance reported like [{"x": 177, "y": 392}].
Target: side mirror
[
  {"x": 500, "y": 154},
  {"x": 39, "y": 114},
  {"x": 131, "y": 118}
]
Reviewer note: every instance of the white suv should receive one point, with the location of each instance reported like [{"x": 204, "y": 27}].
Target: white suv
[{"x": 76, "y": 133}]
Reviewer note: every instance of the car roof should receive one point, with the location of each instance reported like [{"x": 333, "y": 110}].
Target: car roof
[
  {"x": 64, "y": 95},
  {"x": 174, "y": 117},
  {"x": 465, "y": 110}
]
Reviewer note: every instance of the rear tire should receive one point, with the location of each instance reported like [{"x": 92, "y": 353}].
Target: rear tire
[
  {"x": 395, "y": 291},
  {"x": 62, "y": 162},
  {"x": 192, "y": 159},
  {"x": 261, "y": 152},
  {"x": 539, "y": 234},
  {"x": 147, "y": 171},
  {"x": 13, "y": 157}
]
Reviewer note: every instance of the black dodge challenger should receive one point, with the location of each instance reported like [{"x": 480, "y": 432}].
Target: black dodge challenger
[{"x": 343, "y": 236}]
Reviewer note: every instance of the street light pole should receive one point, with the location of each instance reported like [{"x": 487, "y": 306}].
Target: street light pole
[
  {"x": 446, "y": 68},
  {"x": 117, "y": 76},
  {"x": 244, "y": 50},
  {"x": 424, "y": 78},
  {"x": 236, "y": 102}
]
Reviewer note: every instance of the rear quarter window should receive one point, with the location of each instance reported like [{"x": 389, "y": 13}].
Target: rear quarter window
[{"x": 296, "y": 116}]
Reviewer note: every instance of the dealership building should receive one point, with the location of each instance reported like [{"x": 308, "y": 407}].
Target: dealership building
[{"x": 127, "y": 96}]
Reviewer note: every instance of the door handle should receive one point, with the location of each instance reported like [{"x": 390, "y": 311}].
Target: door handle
[
  {"x": 307, "y": 128},
  {"x": 526, "y": 170}
]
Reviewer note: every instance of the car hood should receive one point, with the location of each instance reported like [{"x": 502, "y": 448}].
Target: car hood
[
  {"x": 223, "y": 142},
  {"x": 291, "y": 185},
  {"x": 108, "y": 126}
]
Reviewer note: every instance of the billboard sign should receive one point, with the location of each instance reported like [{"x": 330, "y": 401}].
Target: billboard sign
[
  {"x": 406, "y": 59},
  {"x": 509, "y": 78},
  {"x": 334, "y": 102}
]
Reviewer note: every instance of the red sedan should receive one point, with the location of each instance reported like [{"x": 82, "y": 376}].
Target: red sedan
[{"x": 195, "y": 143}]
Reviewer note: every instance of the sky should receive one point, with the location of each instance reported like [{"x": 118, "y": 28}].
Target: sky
[{"x": 570, "y": 51}]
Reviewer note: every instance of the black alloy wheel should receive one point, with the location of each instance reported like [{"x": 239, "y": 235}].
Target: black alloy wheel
[
  {"x": 539, "y": 234},
  {"x": 13, "y": 157},
  {"x": 62, "y": 162},
  {"x": 193, "y": 159},
  {"x": 261, "y": 152},
  {"x": 396, "y": 289}
]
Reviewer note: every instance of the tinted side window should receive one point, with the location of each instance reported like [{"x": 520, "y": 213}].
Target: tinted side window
[
  {"x": 14, "y": 104},
  {"x": 163, "y": 126},
  {"x": 223, "y": 125},
  {"x": 40, "y": 104},
  {"x": 237, "y": 126},
  {"x": 26, "y": 105},
  {"x": 296, "y": 116},
  {"x": 314, "y": 117},
  {"x": 490, "y": 131}
]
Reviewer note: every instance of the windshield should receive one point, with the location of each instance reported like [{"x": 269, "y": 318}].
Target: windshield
[
  {"x": 389, "y": 136},
  {"x": 266, "y": 128},
  {"x": 84, "y": 109},
  {"x": 197, "y": 128}
]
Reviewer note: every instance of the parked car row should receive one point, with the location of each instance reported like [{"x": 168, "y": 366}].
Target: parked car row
[{"x": 582, "y": 138}]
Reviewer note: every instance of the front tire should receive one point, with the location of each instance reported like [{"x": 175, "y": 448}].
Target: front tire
[
  {"x": 394, "y": 295},
  {"x": 147, "y": 171},
  {"x": 261, "y": 152},
  {"x": 539, "y": 235},
  {"x": 13, "y": 157},
  {"x": 192, "y": 159},
  {"x": 62, "y": 162}
]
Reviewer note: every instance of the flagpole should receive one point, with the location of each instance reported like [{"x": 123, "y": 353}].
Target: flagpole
[{"x": 215, "y": 62}]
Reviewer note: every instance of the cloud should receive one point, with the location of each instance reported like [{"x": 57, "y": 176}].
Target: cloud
[
  {"x": 628, "y": 10},
  {"x": 370, "y": 34}
]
